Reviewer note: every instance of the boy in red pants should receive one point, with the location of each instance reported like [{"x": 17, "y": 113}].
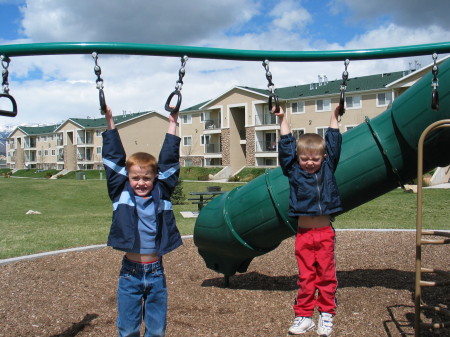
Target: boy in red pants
[{"x": 310, "y": 164}]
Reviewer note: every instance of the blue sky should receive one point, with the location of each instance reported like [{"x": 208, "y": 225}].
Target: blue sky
[{"x": 49, "y": 89}]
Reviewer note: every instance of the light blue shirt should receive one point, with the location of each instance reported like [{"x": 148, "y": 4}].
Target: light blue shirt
[{"x": 146, "y": 230}]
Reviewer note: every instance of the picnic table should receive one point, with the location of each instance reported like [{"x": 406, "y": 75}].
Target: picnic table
[{"x": 202, "y": 198}]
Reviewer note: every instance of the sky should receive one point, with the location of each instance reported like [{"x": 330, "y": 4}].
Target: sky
[{"x": 50, "y": 89}]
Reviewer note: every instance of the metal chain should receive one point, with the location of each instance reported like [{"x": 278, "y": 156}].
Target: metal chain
[
  {"x": 99, "y": 82},
  {"x": 178, "y": 87},
  {"x": 5, "y": 73},
  {"x": 435, "y": 84},
  {"x": 343, "y": 88},
  {"x": 97, "y": 71},
  {"x": 181, "y": 73},
  {"x": 271, "y": 86},
  {"x": 435, "y": 71},
  {"x": 345, "y": 75}
]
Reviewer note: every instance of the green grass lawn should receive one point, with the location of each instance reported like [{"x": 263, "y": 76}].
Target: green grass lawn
[{"x": 78, "y": 213}]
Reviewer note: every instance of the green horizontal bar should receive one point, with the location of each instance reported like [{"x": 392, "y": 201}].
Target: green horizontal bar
[{"x": 60, "y": 48}]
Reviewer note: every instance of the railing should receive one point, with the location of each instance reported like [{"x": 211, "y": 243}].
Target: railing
[
  {"x": 266, "y": 119},
  {"x": 266, "y": 146},
  {"x": 428, "y": 237},
  {"x": 212, "y": 124},
  {"x": 213, "y": 148}
]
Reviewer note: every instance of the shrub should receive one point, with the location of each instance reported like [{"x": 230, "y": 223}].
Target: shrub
[{"x": 178, "y": 197}]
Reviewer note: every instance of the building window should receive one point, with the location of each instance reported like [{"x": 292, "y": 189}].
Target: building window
[
  {"x": 270, "y": 162},
  {"x": 321, "y": 131},
  {"x": 384, "y": 98},
  {"x": 297, "y": 132},
  {"x": 53, "y": 152},
  {"x": 205, "y": 139},
  {"x": 98, "y": 133},
  {"x": 188, "y": 162},
  {"x": 353, "y": 102},
  {"x": 205, "y": 116},
  {"x": 186, "y": 119},
  {"x": 323, "y": 105},
  {"x": 98, "y": 150},
  {"x": 349, "y": 127},
  {"x": 187, "y": 141},
  {"x": 298, "y": 107}
]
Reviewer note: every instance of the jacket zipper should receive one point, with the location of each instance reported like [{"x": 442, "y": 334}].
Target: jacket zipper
[{"x": 318, "y": 193}]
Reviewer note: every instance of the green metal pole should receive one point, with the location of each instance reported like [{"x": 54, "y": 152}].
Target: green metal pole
[{"x": 61, "y": 48}]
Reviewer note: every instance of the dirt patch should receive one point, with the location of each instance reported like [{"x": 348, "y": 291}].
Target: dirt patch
[{"x": 73, "y": 294}]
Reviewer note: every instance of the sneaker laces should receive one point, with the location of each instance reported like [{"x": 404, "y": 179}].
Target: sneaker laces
[
  {"x": 298, "y": 320},
  {"x": 326, "y": 321}
]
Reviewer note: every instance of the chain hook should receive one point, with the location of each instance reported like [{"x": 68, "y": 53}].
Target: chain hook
[
  {"x": 343, "y": 89},
  {"x": 5, "y": 88},
  {"x": 178, "y": 87},
  {"x": 271, "y": 87},
  {"x": 435, "y": 84},
  {"x": 99, "y": 84}
]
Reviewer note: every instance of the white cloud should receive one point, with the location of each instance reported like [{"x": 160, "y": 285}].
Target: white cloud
[
  {"x": 290, "y": 15},
  {"x": 137, "y": 21},
  {"x": 53, "y": 88},
  {"x": 407, "y": 13}
]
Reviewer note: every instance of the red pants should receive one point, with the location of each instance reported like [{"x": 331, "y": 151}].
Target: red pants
[{"x": 314, "y": 250}]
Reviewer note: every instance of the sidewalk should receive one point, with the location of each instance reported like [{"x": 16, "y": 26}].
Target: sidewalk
[{"x": 445, "y": 185}]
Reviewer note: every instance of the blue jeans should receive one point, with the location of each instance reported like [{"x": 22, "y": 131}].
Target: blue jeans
[{"x": 141, "y": 293}]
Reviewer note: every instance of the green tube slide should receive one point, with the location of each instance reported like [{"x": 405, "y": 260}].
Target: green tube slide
[{"x": 377, "y": 156}]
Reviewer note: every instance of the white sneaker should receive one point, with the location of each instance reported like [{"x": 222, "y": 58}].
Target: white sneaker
[
  {"x": 301, "y": 325},
  {"x": 325, "y": 325}
]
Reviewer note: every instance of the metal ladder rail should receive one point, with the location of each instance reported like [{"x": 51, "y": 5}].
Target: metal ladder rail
[{"x": 442, "y": 238}]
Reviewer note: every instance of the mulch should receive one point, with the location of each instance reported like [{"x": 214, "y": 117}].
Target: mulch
[{"x": 73, "y": 294}]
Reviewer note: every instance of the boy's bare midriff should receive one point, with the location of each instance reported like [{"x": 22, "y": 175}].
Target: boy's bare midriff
[
  {"x": 143, "y": 258},
  {"x": 309, "y": 221}
]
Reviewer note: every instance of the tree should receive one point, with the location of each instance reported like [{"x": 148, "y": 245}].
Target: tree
[{"x": 178, "y": 197}]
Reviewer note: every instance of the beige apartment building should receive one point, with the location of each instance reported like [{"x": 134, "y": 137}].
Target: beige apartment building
[
  {"x": 236, "y": 130},
  {"x": 76, "y": 144},
  {"x": 233, "y": 130}
]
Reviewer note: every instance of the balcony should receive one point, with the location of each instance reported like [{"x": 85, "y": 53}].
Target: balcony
[
  {"x": 266, "y": 119},
  {"x": 30, "y": 143},
  {"x": 213, "y": 148},
  {"x": 266, "y": 146},
  {"x": 212, "y": 124}
]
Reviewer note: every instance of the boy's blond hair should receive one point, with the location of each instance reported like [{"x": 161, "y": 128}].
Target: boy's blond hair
[
  {"x": 311, "y": 143},
  {"x": 144, "y": 160}
]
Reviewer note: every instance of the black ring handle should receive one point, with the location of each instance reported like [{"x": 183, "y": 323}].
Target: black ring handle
[
  {"x": 341, "y": 103},
  {"x": 435, "y": 99},
  {"x": 101, "y": 97},
  {"x": 277, "y": 103},
  {"x": 8, "y": 113},
  {"x": 177, "y": 107}
]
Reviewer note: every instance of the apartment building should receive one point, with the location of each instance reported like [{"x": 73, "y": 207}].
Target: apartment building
[
  {"x": 76, "y": 144},
  {"x": 236, "y": 130},
  {"x": 233, "y": 130}
]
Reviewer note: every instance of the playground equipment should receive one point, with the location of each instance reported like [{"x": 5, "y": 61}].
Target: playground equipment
[
  {"x": 438, "y": 238},
  {"x": 377, "y": 156}
]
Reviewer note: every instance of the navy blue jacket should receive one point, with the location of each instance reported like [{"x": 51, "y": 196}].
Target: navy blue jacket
[
  {"x": 124, "y": 219},
  {"x": 316, "y": 193}
]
